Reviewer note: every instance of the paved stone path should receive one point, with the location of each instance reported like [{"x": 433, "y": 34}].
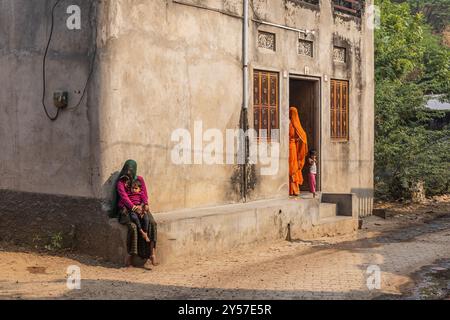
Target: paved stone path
[{"x": 329, "y": 268}]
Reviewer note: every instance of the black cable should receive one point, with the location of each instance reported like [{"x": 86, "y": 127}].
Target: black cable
[
  {"x": 44, "y": 65},
  {"x": 91, "y": 71}
]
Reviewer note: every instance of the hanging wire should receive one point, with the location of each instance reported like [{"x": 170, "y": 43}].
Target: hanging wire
[
  {"x": 44, "y": 62},
  {"x": 91, "y": 71}
]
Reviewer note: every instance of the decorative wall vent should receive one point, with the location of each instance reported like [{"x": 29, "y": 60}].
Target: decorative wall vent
[
  {"x": 305, "y": 48},
  {"x": 267, "y": 40},
  {"x": 340, "y": 54}
]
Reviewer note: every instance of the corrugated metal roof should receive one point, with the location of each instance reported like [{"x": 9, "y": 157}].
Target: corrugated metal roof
[{"x": 434, "y": 103}]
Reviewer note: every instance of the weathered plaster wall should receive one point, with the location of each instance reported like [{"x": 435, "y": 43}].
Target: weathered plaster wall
[
  {"x": 185, "y": 65},
  {"x": 162, "y": 66},
  {"x": 36, "y": 154},
  {"x": 168, "y": 66},
  {"x": 346, "y": 166}
]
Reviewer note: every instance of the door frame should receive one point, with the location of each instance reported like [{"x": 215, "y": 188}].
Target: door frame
[{"x": 318, "y": 115}]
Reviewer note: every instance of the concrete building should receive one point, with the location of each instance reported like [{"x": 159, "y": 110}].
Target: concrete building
[{"x": 152, "y": 67}]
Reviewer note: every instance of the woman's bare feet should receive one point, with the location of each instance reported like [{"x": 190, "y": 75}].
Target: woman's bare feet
[
  {"x": 153, "y": 260},
  {"x": 128, "y": 261},
  {"x": 145, "y": 236}
]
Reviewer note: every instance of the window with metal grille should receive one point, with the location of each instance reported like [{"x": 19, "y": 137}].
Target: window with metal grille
[
  {"x": 339, "y": 110},
  {"x": 314, "y": 2},
  {"x": 352, "y": 7},
  {"x": 266, "y": 104}
]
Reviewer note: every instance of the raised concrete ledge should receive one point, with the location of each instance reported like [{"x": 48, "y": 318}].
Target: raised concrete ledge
[
  {"x": 224, "y": 209},
  {"x": 185, "y": 234}
]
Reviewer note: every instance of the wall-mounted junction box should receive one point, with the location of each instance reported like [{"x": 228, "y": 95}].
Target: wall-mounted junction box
[{"x": 61, "y": 99}]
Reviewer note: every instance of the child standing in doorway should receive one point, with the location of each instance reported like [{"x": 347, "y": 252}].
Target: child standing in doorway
[{"x": 312, "y": 163}]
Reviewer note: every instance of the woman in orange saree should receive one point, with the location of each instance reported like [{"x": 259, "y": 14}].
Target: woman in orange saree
[{"x": 298, "y": 149}]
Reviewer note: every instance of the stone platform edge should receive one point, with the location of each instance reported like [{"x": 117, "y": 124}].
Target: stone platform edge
[{"x": 85, "y": 227}]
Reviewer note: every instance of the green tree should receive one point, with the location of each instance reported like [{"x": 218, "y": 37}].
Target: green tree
[
  {"x": 436, "y": 60},
  {"x": 436, "y": 12},
  {"x": 399, "y": 42},
  {"x": 410, "y": 62}
]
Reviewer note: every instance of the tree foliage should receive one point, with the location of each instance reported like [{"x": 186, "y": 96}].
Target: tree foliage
[
  {"x": 410, "y": 63},
  {"x": 436, "y": 12}
]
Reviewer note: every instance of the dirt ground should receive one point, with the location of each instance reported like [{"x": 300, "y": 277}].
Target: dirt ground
[{"x": 410, "y": 247}]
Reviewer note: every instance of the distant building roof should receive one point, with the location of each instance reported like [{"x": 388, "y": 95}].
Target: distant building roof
[{"x": 434, "y": 103}]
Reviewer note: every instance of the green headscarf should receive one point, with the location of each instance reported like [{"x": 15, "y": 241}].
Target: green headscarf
[{"x": 129, "y": 170}]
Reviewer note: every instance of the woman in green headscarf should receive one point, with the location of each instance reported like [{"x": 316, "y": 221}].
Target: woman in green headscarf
[{"x": 137, "y": 245}]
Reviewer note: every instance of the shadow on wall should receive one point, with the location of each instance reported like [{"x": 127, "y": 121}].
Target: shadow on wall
[
  {"x": 108, "y": 192},
  {"x": 365, "y": 201}
]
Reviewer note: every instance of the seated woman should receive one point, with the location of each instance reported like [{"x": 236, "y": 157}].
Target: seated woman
[{"x": 136, "y": 215}]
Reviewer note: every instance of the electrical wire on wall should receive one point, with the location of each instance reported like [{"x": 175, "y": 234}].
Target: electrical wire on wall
[
  {"x": 52, "y": 118},
  {"x": 44, "y": 67}
]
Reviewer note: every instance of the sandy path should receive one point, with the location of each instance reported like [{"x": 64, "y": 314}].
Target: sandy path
[{"x": 329, "y": 268}]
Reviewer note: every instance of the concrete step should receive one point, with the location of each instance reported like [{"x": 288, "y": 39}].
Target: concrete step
[
  {"x": 333, "y": 226},
  {"x": 333, "y": 220},
  {"x": 327, "y": 210}
]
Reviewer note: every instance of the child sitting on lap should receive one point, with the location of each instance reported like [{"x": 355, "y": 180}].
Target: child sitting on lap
[{"x": 138, "y": 212}]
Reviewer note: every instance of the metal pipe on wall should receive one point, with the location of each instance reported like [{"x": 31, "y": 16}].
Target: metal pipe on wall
[
  {"x": 245, "y": 53},
  {"x": 245, "y": 96}
]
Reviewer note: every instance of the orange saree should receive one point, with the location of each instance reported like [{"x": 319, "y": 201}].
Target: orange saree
[{"x": 298, "y": 148}]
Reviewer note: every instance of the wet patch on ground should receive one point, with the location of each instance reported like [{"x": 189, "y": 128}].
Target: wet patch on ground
[{"x": 429, "y": 283}]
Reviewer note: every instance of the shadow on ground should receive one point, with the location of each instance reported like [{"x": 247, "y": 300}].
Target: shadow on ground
[{"x": 122, "y": 290}]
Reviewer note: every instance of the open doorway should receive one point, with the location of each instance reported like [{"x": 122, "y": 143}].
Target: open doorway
[{"x": 304, "y": 94}]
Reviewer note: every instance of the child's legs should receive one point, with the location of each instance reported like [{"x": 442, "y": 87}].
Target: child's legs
[
  {"x": 312, "y": 182},
  {"x": 146, "y": 220},
  {"x": 135, "y": 219}
]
